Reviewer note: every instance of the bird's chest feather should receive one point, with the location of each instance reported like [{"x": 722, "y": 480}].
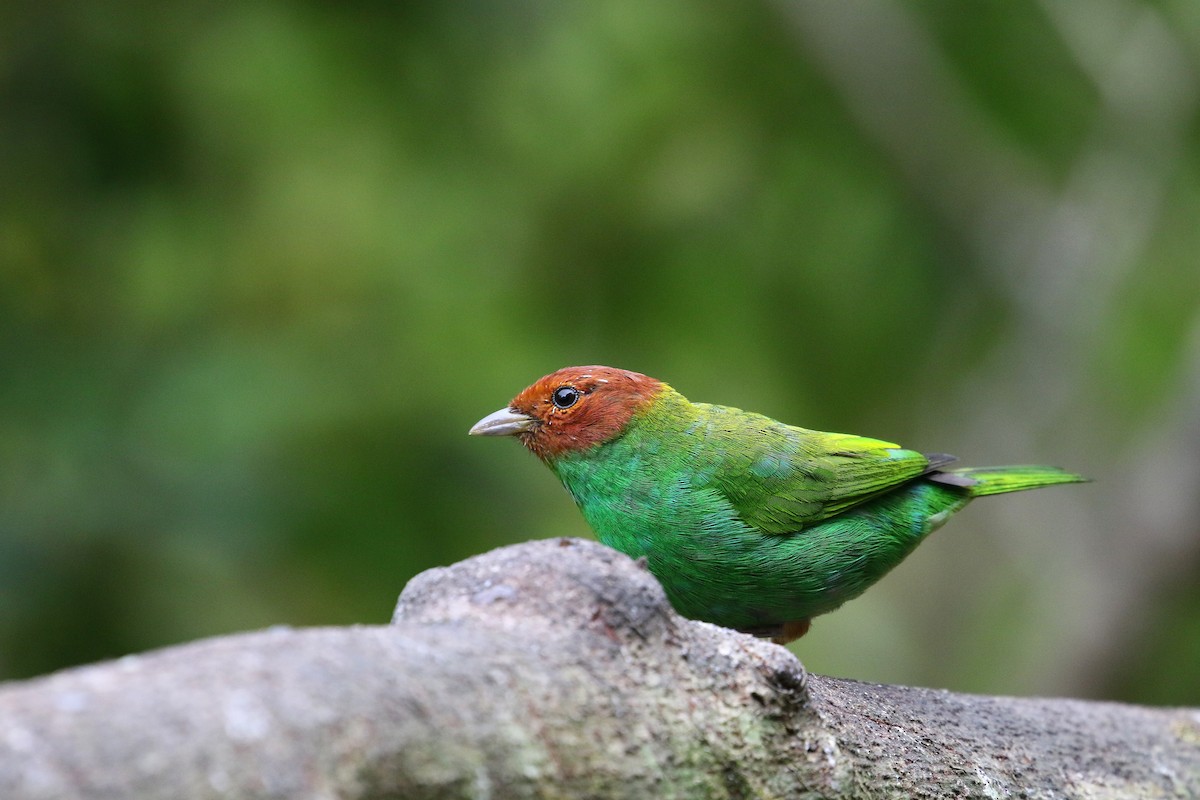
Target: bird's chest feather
[{"x": 643, "y": 500}]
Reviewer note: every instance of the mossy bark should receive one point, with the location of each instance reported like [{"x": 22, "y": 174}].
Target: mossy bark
[{"x": 545, "y": 670}]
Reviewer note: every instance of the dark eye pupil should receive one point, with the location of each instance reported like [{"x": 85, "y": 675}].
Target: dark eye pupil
[{"x": 565, "y": 397}]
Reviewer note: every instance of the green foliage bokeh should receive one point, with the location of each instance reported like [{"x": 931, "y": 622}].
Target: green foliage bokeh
[{"x": 262, "y": 264}]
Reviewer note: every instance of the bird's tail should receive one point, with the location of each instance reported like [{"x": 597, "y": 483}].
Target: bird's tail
[{"x": 980, "y": 481}]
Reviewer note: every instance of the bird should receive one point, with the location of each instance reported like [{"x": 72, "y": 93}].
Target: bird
[{"x": 746, "y": 522}]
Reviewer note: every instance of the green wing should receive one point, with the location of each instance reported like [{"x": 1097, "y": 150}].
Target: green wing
[{"x": 781, "y": 479}]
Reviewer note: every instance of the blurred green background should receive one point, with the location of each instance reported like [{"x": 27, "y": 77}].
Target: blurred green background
[{"x": 263, "y": 264}]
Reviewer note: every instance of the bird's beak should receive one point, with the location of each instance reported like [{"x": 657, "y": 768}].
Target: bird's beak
[{"x": 504, "y": 422}]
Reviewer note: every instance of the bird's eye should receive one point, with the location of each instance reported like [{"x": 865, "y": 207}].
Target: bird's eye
[{"x": 565, "y": 396}]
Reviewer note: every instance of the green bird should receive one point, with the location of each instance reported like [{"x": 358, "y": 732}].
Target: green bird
[{"x": 747, "y": 522}]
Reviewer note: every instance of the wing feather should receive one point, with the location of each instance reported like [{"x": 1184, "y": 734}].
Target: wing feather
[{"x": 781, "y": 479}]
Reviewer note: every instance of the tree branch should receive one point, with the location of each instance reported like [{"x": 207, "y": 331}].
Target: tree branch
[{"x": 552, "y": 669}]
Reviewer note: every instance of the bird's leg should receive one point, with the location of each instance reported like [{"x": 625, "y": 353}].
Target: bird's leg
[
  {"x": 791, "y": 631},
  {"x": 781, "y": 634}
]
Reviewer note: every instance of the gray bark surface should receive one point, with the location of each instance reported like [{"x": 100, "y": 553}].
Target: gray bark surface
[{"x": 545, "y": 670}]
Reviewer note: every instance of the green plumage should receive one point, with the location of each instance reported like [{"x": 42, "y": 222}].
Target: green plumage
[{"x": 750, "y": 523}]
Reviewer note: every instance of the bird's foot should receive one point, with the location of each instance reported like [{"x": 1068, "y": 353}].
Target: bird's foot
[
  {"x": 791, "y": 631},
  {"x": 781, "y": 634}
]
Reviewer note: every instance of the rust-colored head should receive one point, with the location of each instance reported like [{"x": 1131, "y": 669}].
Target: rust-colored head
[{"x": 572, "y": 409}]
